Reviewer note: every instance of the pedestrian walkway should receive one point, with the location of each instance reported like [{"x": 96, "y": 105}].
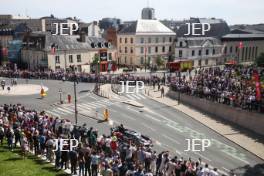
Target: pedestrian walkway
[
  {"x": 249, "y": 143},
  {"x": 131, "y": 99},
  {"x": 88, "y": 108}
]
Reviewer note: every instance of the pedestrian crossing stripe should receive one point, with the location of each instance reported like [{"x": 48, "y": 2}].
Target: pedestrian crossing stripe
[
  {"x": 65, "y": 110},
  {"x": 89, "y": 105},
  {"x": 129, "y": 96},
  {"x": 59, "y": 111},
  {"x": 82, "y": 106},
  {"x": 53, "y": 113},
  {"x": 136, "y": 96},
  {"x": 141, "y": 96}
]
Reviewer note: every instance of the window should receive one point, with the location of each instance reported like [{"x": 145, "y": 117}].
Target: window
[
  {"x": 149, "y": 50},
  {"x": 243, "y": 53},
  {"x": 125, "y": 49},
  {"x": 180, "y": 44},
  {"x": 142, "y": 50},
  {"x": 246, "y": 53},
  {"x": 170, "y": 49},
  {"x": 149, "y": 58},
  {"x": 163, "y": 39},
  {"x": 131, "y": 50},
  {"x": 57, "y": 59},
  {"x": 199, "y": 62},
  {"x": 110, "y": 56},
  {"x": 131, "y": 60},
  {"x": 131, "y": 40},
  {"x": 225, "y": 51},
  {"x": 157, "y": 40},
  {"x": 256, "y": 52},
  {"x": 213, "y": 51},
  {"x": 206, "y": 61},
  {"x": 253, "y": 50},
  {"x": 193, "y": 52},
  {"x": 170, "y": 39},
  {"x": 149, "y": 40},
  {"x": 163, "y": 49},
  {"x": 156, "y": 49},
  {"x": 200, "y": 52},
  {"x": 236, "y": 49},
  {"x": 180, "y": 53},
  {"x": 125, "y": 59},
  {"x": 141, "y": 40},
  {"x": 120, "y": 49},
  {"x": 79, "y": 59},
  {"x": 142, "y": 60},
  {"x": 249, "y": 54},
  {"x": 207, "y": 52},
  {"x": 120, "y": 40},
  {"x": 70, "y": 59},
  {"x": 231, "y": 49},
  {"x": 125, "y": 40}
]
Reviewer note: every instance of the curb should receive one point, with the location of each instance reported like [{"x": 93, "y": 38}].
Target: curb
[{"x": 138, "y": 106}]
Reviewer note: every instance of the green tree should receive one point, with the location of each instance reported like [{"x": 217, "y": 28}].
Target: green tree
[
  {"x": 160, "y": 61},
  {"x": 96, "y": 59},
  {"x": 260, "y": 60}
]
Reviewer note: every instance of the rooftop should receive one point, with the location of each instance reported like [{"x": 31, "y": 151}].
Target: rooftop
[{"x": 147, "y": 27}]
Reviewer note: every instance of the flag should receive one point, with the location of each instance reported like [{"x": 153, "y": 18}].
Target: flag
[{"x": 241, "y": 45}]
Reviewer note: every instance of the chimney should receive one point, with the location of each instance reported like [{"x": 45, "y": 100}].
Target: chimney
[{"x": 82, "y": 37}]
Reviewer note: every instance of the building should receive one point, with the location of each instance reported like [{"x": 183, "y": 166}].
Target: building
[
  {"x": 106, "y": 23},
  {"x": 91, "y": 29},
  {"x": 243, "y": 46},
  {"x": 143, "y": 41},
  {"x": 8, "y": 33},
  {"x": 219, "y": 27},
  {"x": 202, "y": 51},
  {"x": 69, "y": 51},
  {"x": 148, "y": 13}
]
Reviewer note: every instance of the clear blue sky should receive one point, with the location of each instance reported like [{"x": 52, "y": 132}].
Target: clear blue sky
[{"x": 233, "y": 11}]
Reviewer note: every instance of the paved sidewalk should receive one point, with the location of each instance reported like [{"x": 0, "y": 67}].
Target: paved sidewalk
[{"x": 225, "y": 130}]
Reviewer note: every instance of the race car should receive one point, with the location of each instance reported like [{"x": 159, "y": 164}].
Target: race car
[{"x": 128, "y": 135}]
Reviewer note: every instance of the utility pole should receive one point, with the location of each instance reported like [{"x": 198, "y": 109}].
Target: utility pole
[{"x": 75, "y": 98}]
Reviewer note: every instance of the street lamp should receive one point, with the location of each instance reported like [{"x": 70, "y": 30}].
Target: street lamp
[{"x": 75, "y": 96}]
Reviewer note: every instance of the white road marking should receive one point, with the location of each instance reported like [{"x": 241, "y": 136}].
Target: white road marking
[
  {"x": 65, "y": 110},
  {"x": 84, "y": 107},
  {"x": 132, "y": 110},
  {"x": 89, "y": 105},
  {"x": 146, "y": 126},
  {"x": 53, "y": 113},
  {"x": 129, "y": 96},
  {"x": 204, "y": 157},
  {"x": 141, "y": 96},
  {"x": 135, "y": 96},
  {"x": 153, "y": 118},
  {"x": 60, "y": 112},
  {"x": 226, "y": 169},
  {"x": 171, "y": 139}
]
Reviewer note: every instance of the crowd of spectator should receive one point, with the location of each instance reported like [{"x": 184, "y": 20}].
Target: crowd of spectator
[
  {"x": 107, "y": 155},
  {"x": 78, "y": 76},
  {"x": 232, "y": 85}
]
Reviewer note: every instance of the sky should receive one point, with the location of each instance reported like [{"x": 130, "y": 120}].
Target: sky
[{"x": 233, "y": 11}]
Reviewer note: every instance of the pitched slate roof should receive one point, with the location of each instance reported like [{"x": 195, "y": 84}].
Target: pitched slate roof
[{"x": 147, "y": 27}]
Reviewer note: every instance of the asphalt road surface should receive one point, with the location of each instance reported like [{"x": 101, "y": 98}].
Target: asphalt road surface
[{"x": 168, "y": 128}]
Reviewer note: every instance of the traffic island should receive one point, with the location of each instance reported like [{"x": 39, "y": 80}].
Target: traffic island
[{"x": 22, "y": 89}]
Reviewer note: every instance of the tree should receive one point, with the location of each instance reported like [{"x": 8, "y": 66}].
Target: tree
[
  {"x": 160, "y": 61},
  {"x": 260, "y": 60}
]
